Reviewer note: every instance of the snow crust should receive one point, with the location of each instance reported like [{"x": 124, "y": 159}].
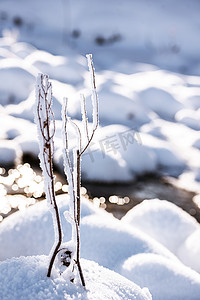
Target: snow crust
[
  {"x": 148, "y": 83},
  {"x": 146, "y": 246},
  {"x": 158, "y": 104},
  {"x": 30, "y": 282}
]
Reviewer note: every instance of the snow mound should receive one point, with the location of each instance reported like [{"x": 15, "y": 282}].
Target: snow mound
[
  {"x": 163, "y": 221},
  {"x": 190, "y": 249},
  {"x": 161, "y": 102},
  {"x": 165, "y": 279},
  {"x": 10, "y": 153},
  {"x": 101, "y": 166},
  {"x": 132, "y": 114},
  {"x": 30, "y": 282},
  {"x": 104, "y": 239},
  {"x": 167, "y": 156},
  {"x": 57, "y": 67},
  {"x": 129, "y": 143},
  {"x": 126, "y": 246},
  {"x": 189, "y": 117},
  {"x": 16, "y": 81},
  {"x": 196, "y": 144}
]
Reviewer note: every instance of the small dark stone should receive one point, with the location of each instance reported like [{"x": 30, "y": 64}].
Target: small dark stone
[
  {"x": 175, "y": 49},
  {"x": 100, "y": 40},
  {"x": 76, "y": 33},
  {"x": 114, "y": 38},
  {"x": 17, "y": 21},
  {"x": 130, "y": 116}
]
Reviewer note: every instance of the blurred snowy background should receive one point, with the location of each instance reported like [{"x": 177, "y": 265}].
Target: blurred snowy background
[
  {"x": 146, "y": 56},
  {"x": 147, "y": 60}
]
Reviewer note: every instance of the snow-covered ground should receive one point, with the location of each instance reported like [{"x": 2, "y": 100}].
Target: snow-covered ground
[
  {"x": 142, "y": 247},
  {"x": 148, "y": 81},
  {"x": 30, "y": 275}
]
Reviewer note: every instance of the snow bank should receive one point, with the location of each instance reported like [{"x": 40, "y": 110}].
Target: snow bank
[
  {"x": 189, "y": 117},
  {"x": 58, "y": 67},
  {"x": 25, "y": 278},
  {"x": 101, "y": 166},
  {"x": 117, "y": 245},
  {"x": 16, "y": 81},
  {"x": 141, "y": 99},
  {"x": 132, "y": 114},
  {"x": 189, "y": 251},
  {"x": 165, "y": 280},
  {"x": 167, "y": 156},
  {"x": 10, "y": 153},
  {"x": 118, "y": 139},
  {"x": 104, "y": 239},
  {"x": 161, "y": 102},
  {"x": 163, "y": 221}
]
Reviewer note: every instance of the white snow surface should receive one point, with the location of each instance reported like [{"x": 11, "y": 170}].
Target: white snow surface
[
  {"x": 149, "y": 100},
  {"x": 30, "y": 282},
  {"x": 147, "y": 80},
  {"x": 163, "y": 221},
  {"x": 159, "y": 273},
  {"x": 148, "y": 254}
]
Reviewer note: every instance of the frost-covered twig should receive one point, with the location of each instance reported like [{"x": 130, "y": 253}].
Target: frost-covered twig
[
  {"x": 74, "y": 173},
  {"x": 84, "y": 117},
  {"x": 73, "y": 177},
  {"x": 95, "y": 113},
  {"x": 44, "y": 119}
]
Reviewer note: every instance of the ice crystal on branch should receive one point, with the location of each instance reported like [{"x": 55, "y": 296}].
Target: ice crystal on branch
[
  {"x": 45, "y": 122},
  {"x": 67, "y": 255},
  {"x": 73, "y": 169}
]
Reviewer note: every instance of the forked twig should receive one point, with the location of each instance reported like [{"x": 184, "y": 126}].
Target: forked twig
[
  {"x": 44, "y": 118},
  {"x": 74, "y": 176}
]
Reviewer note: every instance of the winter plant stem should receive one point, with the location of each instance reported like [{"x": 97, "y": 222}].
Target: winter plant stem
[
  {"x": 74, "y": 173},
  {"x": 59, "y": 232},
  {"x": 44, "y": 118},
  {"x": 78, "y": 217},
  {"x": 46, "y": 129},
  {"x": 78, "y": 186}
]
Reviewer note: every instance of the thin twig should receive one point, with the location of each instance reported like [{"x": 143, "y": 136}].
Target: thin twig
[
  {"x": 44, "y": 117},
  {"x": 94, "y": 102}
]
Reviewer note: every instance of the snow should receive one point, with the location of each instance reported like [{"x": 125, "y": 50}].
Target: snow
[
  {"x": 93, "y": 91},
  {"x": 189, "y": 117},
  {"x": 30, "y": 282},
  {"x": 163, "y": 221},
  {"x": 158, "y": 273},
  {"x": 148, "y": 83},
  {"x": 189, "y": 250},
  {"x": 139, "y": 96},
  {"x": 57, "y": 67},
  {"x": 142, "y": 111},
  {"x": 138, "y": 247},
  {"x": 17, "y": 81},
  {"x": 100, "y": 234},
  {"x": 104, "y": 167},
  {"x": 10, "y": 153},
  {"x": 161, "y": 102}
]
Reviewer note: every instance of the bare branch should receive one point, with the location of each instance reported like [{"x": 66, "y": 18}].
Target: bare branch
[
  {"x": 95, "y": 105},
  {"x": 74, "y": 174},
  {"x": 94, "y": 92},
  {"x": 68, "y": 167},
  {"x": 44, "y": 118},
  {"x": 78, "y": 132},
  {"x": 84, "y": 116}
]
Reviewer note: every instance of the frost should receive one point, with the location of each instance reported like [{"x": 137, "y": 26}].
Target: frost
[
  {"x": 44, "y": 119},
  {"x": 73, "y": 169},
  {"x": 94, "y": 92}
]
